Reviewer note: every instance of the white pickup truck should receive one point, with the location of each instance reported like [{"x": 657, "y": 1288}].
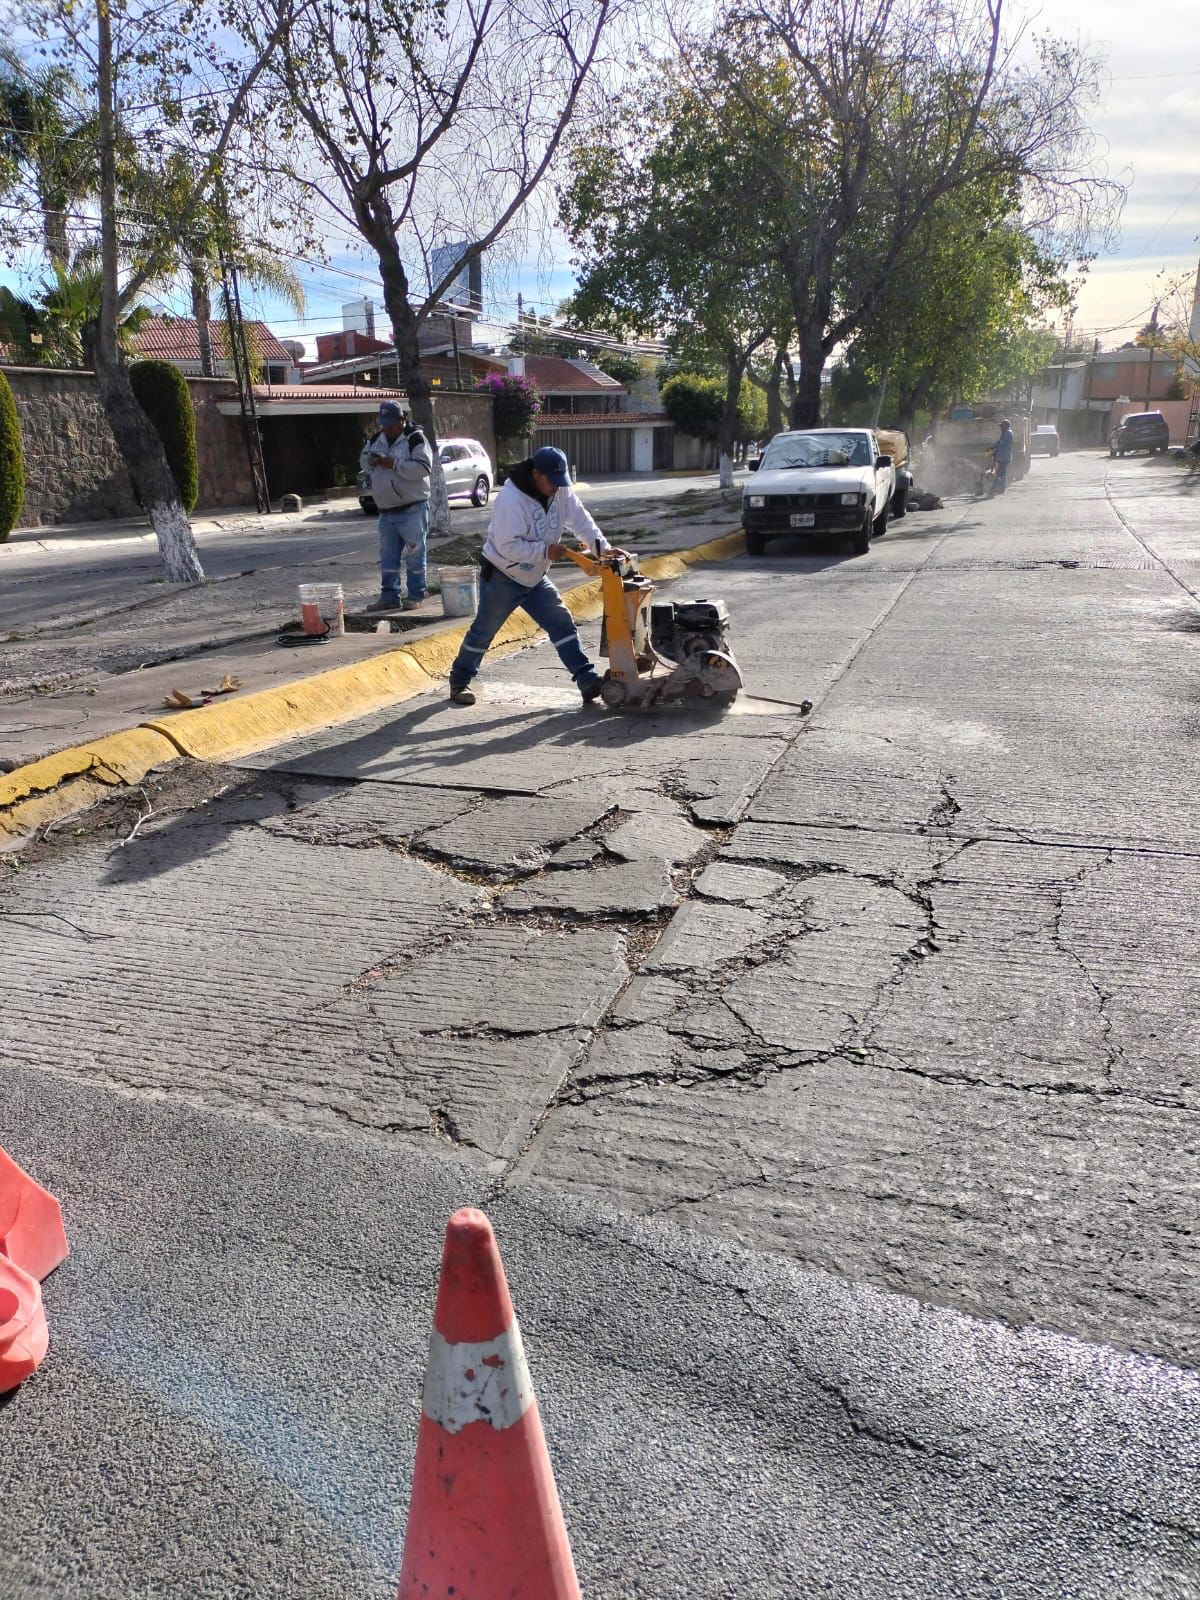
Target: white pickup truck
[{"x": 820, "y": 480}]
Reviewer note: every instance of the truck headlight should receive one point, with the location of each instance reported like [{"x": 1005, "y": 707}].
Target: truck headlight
[
  {"x": 851, "y": 499},
  {"x": 756, "y": 501}
]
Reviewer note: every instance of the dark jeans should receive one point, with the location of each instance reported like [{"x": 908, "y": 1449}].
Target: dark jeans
[{"x": 499, "y": 597}]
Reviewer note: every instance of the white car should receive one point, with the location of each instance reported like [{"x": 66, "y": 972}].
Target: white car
[
  {"x": 1043, "y": 441},
  {"x": 820, "y": 480},
  {"x": 466, "y": 467}
]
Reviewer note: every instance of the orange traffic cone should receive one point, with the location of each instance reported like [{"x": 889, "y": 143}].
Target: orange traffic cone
[
  {"x": 31, "y": 1225},
  {"x": 484, "y": 1522},
  {"x": 23, "y": 1334}
]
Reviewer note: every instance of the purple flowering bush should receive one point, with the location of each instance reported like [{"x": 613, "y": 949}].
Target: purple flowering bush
[{"x": 515, "y": 403}]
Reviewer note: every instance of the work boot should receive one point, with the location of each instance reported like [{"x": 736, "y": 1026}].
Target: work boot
[
  {"x": 462, "y": 697},
  {"x": 384, "y": 603},
  {"x": 591, "y": 691}
]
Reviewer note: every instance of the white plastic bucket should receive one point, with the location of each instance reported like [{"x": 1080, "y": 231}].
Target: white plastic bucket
[
  {"x": 323, "y": 609},
  {"x": 460, "y": 591}
]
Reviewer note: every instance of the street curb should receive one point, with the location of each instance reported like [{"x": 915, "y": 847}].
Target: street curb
[{"x": 64, "y": 783}]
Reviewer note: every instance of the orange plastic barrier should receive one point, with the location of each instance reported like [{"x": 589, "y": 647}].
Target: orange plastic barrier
[
  {"x": 484, "y": 1522},
  {"x": 31, "y": 1225},
  {"x": 23, "y": 1334}
]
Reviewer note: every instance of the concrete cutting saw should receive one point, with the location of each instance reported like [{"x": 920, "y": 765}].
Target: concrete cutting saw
[{"x": 659, "y": 652}]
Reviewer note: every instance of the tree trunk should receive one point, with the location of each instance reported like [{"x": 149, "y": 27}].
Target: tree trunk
[
  {"x": 137, "y": 439},
  {"x": 806, "y": 404},
  {"x": 143, "y": 454},
  {"x": 735, "y": 367},
  {"x": 202, "y": 311},
  {"x": 880, "y": 397},
  {"x": 375, "y": 222},
  {"x": 776, "y": 421}
]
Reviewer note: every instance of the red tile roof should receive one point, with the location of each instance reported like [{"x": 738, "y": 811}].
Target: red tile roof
[
  {"x": 554, "y": 375},
  {"x": 176, "y": 339}
]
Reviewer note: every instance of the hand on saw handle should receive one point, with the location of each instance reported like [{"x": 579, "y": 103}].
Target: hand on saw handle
[{"x": 557, "y": 551}]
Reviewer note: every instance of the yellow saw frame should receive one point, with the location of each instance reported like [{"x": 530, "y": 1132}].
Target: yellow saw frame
[{"x": 638, "y": 675}]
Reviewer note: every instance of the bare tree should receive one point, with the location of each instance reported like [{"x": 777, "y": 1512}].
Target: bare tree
[
  {"x": 859, "y": 116},
  {"x": 429, "y": 125},
  {"x": 161, "y": 77}
]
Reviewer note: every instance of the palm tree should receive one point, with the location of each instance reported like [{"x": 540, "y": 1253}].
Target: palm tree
[
  {"x": 209, "y": 235},
  {"x": 45, "y": 146},
  {"x": 47, "y": 328}
]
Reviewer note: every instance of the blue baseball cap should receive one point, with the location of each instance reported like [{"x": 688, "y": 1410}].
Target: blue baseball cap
[
  {"x": 389, "y": 411},
  {"x": 554, "y": 464}
]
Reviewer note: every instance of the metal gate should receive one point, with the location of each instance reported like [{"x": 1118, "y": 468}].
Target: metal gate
[{"x": 591, "y": 450}]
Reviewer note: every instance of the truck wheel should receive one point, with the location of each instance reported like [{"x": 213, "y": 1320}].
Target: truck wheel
[
  {"x": 860, "y": 543},
  {"x": 756, "y": 543},
  {"x": 900, "y": 502},
  {"x": 879, "y": 526}
]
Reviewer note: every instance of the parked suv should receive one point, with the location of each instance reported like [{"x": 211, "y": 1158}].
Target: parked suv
[
  {"x": 1043, "y": 441},
  {"x": 466, "y": 467},
  {"x": 1140, "y": 430}
]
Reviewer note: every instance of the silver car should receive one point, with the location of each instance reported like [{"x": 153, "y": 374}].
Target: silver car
[{"x": 466, "y": 467}]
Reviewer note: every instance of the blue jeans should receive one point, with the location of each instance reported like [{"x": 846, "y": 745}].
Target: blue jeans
[
  {"x": 402, "y": 532},
  {"x": 1001, "y": 482},
  {"x": 499, "y": 597}
]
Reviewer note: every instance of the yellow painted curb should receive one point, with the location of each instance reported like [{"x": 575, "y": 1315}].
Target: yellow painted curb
[
  {"x": 35, "y": 794},
  {"x": 229, "y": 729}
]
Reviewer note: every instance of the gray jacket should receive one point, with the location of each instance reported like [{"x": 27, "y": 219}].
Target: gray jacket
[{"x": 406, "y": 481}]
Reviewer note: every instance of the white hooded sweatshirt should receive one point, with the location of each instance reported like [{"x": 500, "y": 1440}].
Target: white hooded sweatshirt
[{"x": 522, "y": 530}]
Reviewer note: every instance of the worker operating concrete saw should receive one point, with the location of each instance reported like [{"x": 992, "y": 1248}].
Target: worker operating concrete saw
[{"x": 536, "y": 506}]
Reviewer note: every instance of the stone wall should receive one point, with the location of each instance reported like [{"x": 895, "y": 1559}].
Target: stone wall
[
  {"x": 225, "y": 478},
  {"x": 73, "y": 469}
]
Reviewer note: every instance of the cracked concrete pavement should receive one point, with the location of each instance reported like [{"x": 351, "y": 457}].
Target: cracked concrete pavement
[{"x": 893, "y": 1009}]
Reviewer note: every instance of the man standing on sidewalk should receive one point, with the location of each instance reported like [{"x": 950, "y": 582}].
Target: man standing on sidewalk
[
  {"x": 399, "y": 461},
  {"x": 533, "y": 510}
]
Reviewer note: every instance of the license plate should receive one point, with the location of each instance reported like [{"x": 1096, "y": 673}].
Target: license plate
[{"x": 802, "y": 519}]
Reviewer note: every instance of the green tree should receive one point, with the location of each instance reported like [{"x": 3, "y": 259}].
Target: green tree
[
  {"x": 655, "y": 204},
  {"x": 155, "y": 78},
  {"x": 12, "y": 462},
  {"x": 48, "y": 327},
  {"x": 695, "y": 403},
  {"x": 48, "y": 148},
  {"x": 856, "y": 118},
  {"x": 208, "y": 236},
  {"x": 164, "y": 396},
  {"x": 961, "y": 314}
]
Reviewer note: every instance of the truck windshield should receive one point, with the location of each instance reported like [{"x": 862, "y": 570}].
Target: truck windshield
[{"x": 817, "y": 450}]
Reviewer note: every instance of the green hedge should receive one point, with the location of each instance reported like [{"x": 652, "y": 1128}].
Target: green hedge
[
  {"x": 163, "y": 394},
  {"x": 12, "y": 462}
]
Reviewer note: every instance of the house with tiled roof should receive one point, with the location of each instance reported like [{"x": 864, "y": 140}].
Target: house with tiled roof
[
  {"x": 177, "y": 340},
  {"x": 572, "y": 386}
]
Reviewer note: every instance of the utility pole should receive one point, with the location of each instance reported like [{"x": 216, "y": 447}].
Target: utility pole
[
  {"x": 1150, "y": 363},
  {"x": 458, "y": 383}
]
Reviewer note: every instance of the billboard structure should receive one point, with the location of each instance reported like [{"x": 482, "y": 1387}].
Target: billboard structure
[{"x": 466, "y": 290}]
